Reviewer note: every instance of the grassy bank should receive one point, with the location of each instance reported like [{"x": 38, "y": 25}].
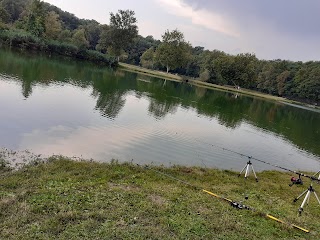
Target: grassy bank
[
  {"x": 64, "y": 199},
  {"x": 197, "y": 82},
  {"x": 149, "y": 72}
]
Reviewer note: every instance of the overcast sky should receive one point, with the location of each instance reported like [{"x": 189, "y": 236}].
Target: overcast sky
[{"x": 286, "y": 29}]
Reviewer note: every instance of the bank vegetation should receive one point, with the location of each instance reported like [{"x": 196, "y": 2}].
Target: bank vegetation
[
  {"x": 36, "y": 25},
  {"x": 64, "y": 199}
]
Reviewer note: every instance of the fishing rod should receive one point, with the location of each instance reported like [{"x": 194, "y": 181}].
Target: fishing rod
[
  {"x": 300, "y": 174},
  {"x": 231, "y": 202}
]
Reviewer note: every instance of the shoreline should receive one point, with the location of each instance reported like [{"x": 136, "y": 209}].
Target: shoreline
[
  {"x": 195, "y": 82},
  {"x": 66, "y": 199}
]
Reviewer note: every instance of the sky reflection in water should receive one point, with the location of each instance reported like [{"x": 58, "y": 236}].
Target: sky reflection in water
[{"x": 53, "y": 107}]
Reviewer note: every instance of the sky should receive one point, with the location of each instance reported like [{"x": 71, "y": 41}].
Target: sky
[{"x": 273, "y": 29}]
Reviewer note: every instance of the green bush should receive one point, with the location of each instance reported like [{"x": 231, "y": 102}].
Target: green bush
[
  {"x": 21, "y": 39},
  {"x": 71, "y": 50},
  {"x": 65, "y": 49},
  {"x": 98, "y": 57},
  {"x": 24, "y": 40}
]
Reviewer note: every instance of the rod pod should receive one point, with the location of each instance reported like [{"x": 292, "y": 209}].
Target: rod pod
[
  {"x": 306, "y": 198},
  {"x": 247, "y": 170},
  {"x": 318, "y": 173}
]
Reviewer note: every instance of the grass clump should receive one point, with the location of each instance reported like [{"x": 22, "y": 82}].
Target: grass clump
[
  {"x": 4, "y": 166},
  {"x": 64, "y": 199}
]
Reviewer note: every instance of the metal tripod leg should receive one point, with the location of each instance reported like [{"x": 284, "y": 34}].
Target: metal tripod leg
[
  {"x": 247, "y": 171},
  {"x": 306, "y": 198},
  {"x": 297, "y": 198},
  {"x": 242, "y": 170},
  {"x": 317, "y": 197},
  {"x": 255, "y": 175}
]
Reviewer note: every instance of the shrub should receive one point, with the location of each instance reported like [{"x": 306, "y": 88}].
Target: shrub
[
  {"x": 65, "y": 49},
  {"x": 24, "y": 40},
  {"x": 21, "y": 39}
]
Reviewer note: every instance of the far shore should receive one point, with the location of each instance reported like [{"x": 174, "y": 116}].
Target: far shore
[{"x": 199, "y": 83}]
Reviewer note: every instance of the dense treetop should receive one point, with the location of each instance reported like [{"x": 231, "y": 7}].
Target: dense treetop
[{"x": 38, "y": 25}]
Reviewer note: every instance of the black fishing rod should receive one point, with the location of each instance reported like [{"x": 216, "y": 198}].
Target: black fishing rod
[
  {"x": 231, "y": 202},
  {"x": 300, "y": 174}
]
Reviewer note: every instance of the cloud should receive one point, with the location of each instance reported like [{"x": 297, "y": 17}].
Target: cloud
[
  {"x": 294, "y": 18},
  {"x": 202, "y": 17},
  {"x": 272, "y": 29}
]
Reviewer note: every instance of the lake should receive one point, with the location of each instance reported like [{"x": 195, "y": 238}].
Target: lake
[{"x": 53, "y": 105}]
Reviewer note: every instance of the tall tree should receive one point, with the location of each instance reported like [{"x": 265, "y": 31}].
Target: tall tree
[
  {"x": 245, "y": 70},
  {"x": 14, "y": 8},
  {"x": 147, "y": 58},
  {"x": 104, "y": 40},
  {"x": 93, "y": 31},
  {"x": 121, "y": 32},
  {"x": 79, "y": 39},
  {"x": 65, "y": 36},
  {"x": 174, "y": 51},
  {"x": 138, "y": 47},
  {"x": 307, "y": 82},
  {"x": 53, "y": 25},
  {"x": 36, "y": 18},
  {"x": 281, "y": 79},
  {"x": 4, "y": 15}
]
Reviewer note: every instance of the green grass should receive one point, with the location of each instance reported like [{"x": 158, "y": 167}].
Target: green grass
[
  {"x": 149, "y": 72},
  {"x": 64, "y": 199}
]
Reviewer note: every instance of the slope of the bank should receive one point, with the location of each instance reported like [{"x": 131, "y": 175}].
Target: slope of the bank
[{"x": 64, "y": 199}]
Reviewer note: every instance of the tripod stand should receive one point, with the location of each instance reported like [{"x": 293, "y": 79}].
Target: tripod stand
[
  {"x": 307, "y": 197},
  {"x": 317, "y": 174},
  {"x": 247, "y": 168}
]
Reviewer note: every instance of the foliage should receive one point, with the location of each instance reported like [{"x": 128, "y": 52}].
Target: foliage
[
  {"x": 281, "y": 81},
  {"x": 35, "y": 22},
  {"x": 138, "y": 47},
  {"x": 79, "y": 39},
  {"x": 53, "y": 25},
  {"x": 97, "y": 57},
  {"x": 65, "y": 49},
  {"x": 121, "y": 32},
  {"x": 104, "y": 40},
  {"x": 21, "y": 39},
  {"x": 65, "y": 36},
  {"x": 147, "y": 58},
  {"x": 174, "y": 51},
  {"x": 43, "y": 22},
  {"x": 307, "y": 82},
  {"x": 69, "y": 20},
  {"x": 4, "y": 15},
  {"x": 245, "y": 69},
  {"x": 14, "y": 8}
]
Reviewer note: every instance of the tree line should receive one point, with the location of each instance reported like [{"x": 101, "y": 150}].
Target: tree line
[{"x": 34, "y": 24}]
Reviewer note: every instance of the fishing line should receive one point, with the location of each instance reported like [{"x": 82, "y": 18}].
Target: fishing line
[
  {"x": 274, "y": 165},
  {"x": 261, "y": 161},
  {"x": 231, "y": 202},
  {"x": 189, "y": 139}
]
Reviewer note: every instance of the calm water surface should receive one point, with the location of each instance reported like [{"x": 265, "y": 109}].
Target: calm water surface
[{"x": 58, "y": 106}]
